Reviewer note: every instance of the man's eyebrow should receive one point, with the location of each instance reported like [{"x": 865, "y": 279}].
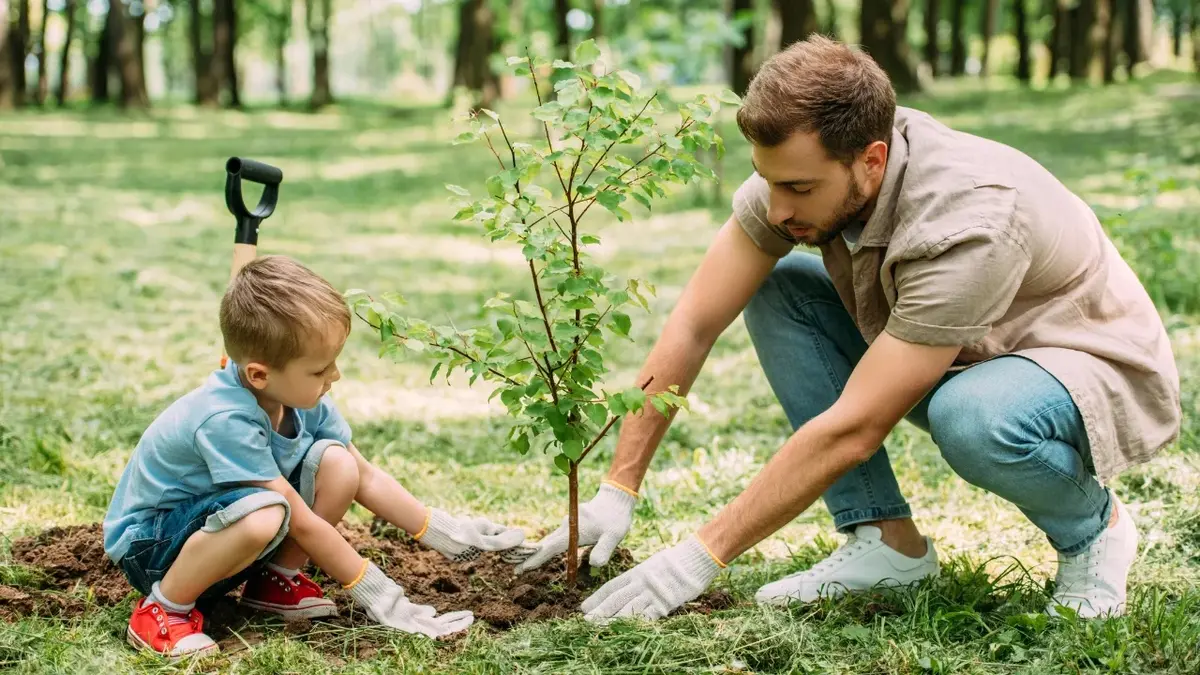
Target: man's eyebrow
[{"x": 798, "y": 181}]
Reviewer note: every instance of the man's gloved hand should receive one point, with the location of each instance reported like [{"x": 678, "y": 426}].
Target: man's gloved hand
[
  {"x": 462, "y": 539},
  {"x": 386, "y": 603},
  {"x": 604, "y": 522},
  {"x": 656, "y": 587}
]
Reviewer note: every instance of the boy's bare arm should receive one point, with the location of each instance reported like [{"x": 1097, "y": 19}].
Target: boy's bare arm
[
  {"x": 386, "y": 497},
  {"x": 320, "y": 540}
]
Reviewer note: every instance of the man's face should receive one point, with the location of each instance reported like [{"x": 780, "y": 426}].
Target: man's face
[{"x": 813, "y": 195}]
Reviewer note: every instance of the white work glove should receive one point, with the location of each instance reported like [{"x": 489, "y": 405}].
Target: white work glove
[
  {"x": 462, "y": 539},
  {"x": 604, "y": 522},
  {"x": 656, "y": 587},
  {"x": 386, "y": 603}
]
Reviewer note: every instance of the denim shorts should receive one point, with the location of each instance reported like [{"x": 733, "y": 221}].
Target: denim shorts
[{"x": 159, "y": 540}]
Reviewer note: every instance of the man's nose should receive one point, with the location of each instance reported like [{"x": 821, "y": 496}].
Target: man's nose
[{"x": 779, "y": 212}]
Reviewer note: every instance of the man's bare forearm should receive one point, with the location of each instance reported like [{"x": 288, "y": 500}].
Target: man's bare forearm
[
  {"x": 807, "y": 464},
  {"x": 676, "y": 359}
]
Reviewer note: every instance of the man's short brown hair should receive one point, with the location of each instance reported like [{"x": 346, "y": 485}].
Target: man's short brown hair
[
  {"x": 274, "y": 307},
  {"x": 819, "y": 85}
]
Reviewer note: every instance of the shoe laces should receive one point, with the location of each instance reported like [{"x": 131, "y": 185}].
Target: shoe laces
[
  {"x": 843, "y": 553},
  {"x": 1077, "y": 574}
]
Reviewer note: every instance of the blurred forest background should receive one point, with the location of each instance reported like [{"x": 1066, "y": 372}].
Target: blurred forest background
[{"x": 309, "y": 53}]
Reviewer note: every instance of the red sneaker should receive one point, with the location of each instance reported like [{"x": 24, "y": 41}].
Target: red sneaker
[
  {"x": 175, "y": 635},
  {"x": 298, "y": 598}
]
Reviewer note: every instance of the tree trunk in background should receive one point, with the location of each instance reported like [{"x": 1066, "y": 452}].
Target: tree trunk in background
[
  {"x": 931, "y": 51},
  {"x": 597, "y": 19},
  {"x": 223, "y": 62},
  {"x": 102, "y": 64},
  {"x": 20, "y": 37},
  {"x": 884, "y": 30},
  {"x": 741, "y": 63},
  {"x": 202, "y": 58},
  {"x": 1056, "y": 42},
  {"x": 1089, "y": 38},
  {"x": 6, "y": 61},
  {"x": 1196, "y": 35},
  {"x": 562, "y": 32},
  {"x": 476, "y": 42},
  {"x": 1178, "y": 28},
  {"x": 318, "y": 35},
  {"x": 64, "y": 64},
  {"x": 1138, "y": 22},
  {"x": 1021, "y": 30},
  {"x": 43, "y": 79},
  {"x": 958, "y": 41},
  {"x": 798, "y": 19},
  {"x": 126, "y": 45},
  {"x": 1112, "y": 41},
  {"x": 279, "y": 36},
  {"x": 987, "y": 28}
]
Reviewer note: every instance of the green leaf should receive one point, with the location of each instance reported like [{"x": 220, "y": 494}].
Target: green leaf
[
  {"x": 514, "y": 60},
  {"x": 586, "y": 53},
  {"x": 617, "y": 405},
  {"x": 601, "y": 98},
  {"x": 585, "y": 190},
  {"x": 490, "y": 114},
  {"x": 414, "y": 345},
  {"x": 465, "y": 137},
  {"x": 563, "y": 464},
  {"x": 576, "y": 285},
  {"x": 621, "y": 323},
  {"x": 511, "y": 398},
  {"x": 495, "y": 186},
  {"x": 609, "y": 199},
  {"x": 596, "y": 413},
  {"x": 559, "y": 63},
  {"x": 683, "y": 169},
  {"x": 385, "y": 331},
  {"x": 507, "y": 327},
  {"x": 728, "y": 97},
  {"x": 631, "y": 79},
  {"x": 589, "y": 239},
  {"x": 573, "y": 449},
  {"x": 458, "y": 190},
  {"x": 549, "y": 112},
  {"x": 634, "y": 398},
  {"x": 521, "y": 443},
  {"x": 642, "y": 199},
  {"x": 522, "y": 71},
  {"x": 660, "y": 405}
]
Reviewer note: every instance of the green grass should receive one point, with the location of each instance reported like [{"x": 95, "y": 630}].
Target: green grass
[{"x": 115, "y": 248}]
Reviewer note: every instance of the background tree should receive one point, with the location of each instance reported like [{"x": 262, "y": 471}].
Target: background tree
[
  {"x": 987, "y": 29},
  {"x": 7, "y": 70},
  {"x": 741, "y": 54},
  {"x": 224, "y": 61},
  {"x": 931, "y": 18},
  {"x": 1137, "y": 22},
  {"x": 884, "y": 30},
  {"x": 1024, "y": 70},
  {"x": 1056, "y": 41},
  {"x": 64, "y": 65},
  {"x": 798, "y": 20},
  {"x": 476, "y": 44},
  {"x": 200, "y": 35},
  {"x": 43, "y": 77},
  {"x": 958, "y": 40},
  {"x": 124, "y": 32},
  {"x": 318, "y": 14}
]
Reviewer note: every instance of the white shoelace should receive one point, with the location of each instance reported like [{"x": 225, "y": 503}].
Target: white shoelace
[{"x": 852, "y": 545}]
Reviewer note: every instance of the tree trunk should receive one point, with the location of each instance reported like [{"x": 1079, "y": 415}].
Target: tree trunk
[
  {"x": 1138, "y": 24},
  {"x": 958, "y": 41},
  {"x": 202, "y": 58},
  {"x": 1089, "y": 38},
  {"x": 562, "y": 32},
  {"x": 884, "y": 27},
  {"x": 64, "y": 64},
  {"x": 1112, "y": 41},
  {"x": 573, "y": 525},
  {"x": 987, "y": 28},
  {"x": 223, "y": 61},
  {"x": 798, "y": 20},
  {"x": 1196, "y": 35},
  {"x": 124, "y": 35},
  {"x": 281, "y": 80},
  {"x": 318, "y": 34},
  {"x": 476, "y": 42},
  {"x": 6, "y": 61},
  {"x": 43, "y": 80},
  {"x": 102, "y": 63},
  {"x": 741, "y": 57},
  {"x": 597, "y": 19},
  {"x": 1178, "y": 28},
  {"x": 932, "y": 52},
  {"x": 1021, "y": 29},
  {"x": 20, "y": 49}
]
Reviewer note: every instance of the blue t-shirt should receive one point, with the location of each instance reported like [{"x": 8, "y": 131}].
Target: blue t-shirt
[{"x": 212, "y": 438}]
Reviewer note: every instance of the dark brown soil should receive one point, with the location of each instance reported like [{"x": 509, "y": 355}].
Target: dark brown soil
[{"x": 77, "y": 573}]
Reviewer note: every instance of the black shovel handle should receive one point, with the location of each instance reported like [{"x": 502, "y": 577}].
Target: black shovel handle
[{"x": 248, "y": 221}]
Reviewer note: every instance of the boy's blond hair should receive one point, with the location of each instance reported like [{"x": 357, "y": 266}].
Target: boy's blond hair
[{"x": 274, "y": 307}]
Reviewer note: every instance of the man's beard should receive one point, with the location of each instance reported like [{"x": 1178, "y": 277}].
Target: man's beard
[{"x": 848, "y": 213}]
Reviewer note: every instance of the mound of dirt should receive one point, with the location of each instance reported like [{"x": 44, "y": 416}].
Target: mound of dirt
[{"x": 77, "y": 572}]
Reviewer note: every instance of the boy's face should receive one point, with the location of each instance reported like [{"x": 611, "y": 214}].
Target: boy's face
[{"x": 303, "y": 381}]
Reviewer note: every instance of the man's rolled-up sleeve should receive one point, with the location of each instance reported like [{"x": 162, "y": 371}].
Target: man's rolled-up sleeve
[{"x": 954, "y": 296}]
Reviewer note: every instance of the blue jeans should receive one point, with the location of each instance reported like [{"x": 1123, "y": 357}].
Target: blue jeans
[
  {"x": 159, "y": 540},
  {"x": 1004, "y": 425}
]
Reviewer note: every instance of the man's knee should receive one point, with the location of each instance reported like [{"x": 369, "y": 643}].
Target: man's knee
[
  {"x": 793, "y": 275},
  {"x": 338, "y": 467},
  {"x": 260, "y": 527}
]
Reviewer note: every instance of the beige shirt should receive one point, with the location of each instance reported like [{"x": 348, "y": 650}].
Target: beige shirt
[{"x": 973, "y": 243}]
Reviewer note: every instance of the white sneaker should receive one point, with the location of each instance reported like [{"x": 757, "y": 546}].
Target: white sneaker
[
  {"x": 862, "y": 563},
  {"x": 1093, "y": 582}
]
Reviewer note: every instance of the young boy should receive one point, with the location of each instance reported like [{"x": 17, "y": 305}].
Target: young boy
[{"x": 241, "y": 481}]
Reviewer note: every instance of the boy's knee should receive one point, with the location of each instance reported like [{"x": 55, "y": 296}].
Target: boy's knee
[
  {"x": 338, "y": 467},
  {"x": 261, "y": 527}
]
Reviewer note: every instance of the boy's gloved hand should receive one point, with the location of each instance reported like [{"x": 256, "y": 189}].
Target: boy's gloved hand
[
  {"x": 386, "y": 603},
  {"x": 463, "y": 539},
  {"x": 604, "y": 522}
]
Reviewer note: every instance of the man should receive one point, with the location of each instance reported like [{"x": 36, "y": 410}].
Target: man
[{"x": 960, "y": 285}]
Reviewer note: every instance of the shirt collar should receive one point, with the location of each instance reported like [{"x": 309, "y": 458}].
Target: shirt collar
[{"x": 879, "y": 227}]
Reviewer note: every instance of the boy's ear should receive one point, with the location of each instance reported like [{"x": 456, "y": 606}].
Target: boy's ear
[{"x": 256, "y": 375}]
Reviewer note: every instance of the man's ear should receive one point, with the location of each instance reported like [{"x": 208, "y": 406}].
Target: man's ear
[
  {"x": 256, "y": 375},
  {"x": 875, "y": 161}
]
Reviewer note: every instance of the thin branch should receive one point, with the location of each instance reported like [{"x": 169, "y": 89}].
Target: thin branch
[
  {"x": 560, "y": 229},
  {"x": 575, "y": 352},
  {"x": 537, "y": 288},
  {"x": 511, "y": 150},
  {"x": 546, "y": 125},
  {"x": 630, "y": 184},
  {"x": 491, "y": 147}
]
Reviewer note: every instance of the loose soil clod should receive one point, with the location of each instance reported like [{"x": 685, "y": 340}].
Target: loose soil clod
[{"x": 77, "y": 573}]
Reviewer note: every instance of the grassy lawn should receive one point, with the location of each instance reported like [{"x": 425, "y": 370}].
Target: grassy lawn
[{"x": 115, "y": 245}]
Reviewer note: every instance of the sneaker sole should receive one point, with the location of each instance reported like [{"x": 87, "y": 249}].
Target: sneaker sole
[
  {"x": 291, "y": 612},
  {"x": 139, "y": 644}
]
